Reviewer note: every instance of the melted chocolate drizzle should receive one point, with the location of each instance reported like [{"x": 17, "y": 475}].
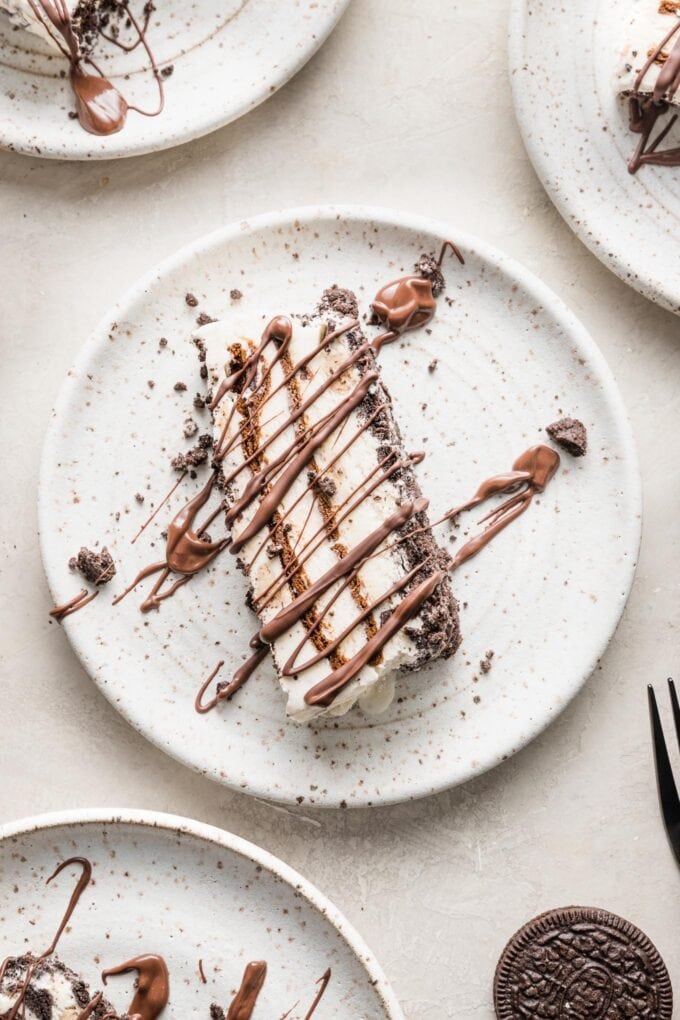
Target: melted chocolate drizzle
[
  {"x": 403, "y": 305},
  {"x": 100, "y": 107},
  {"x": 646, "y": 110},
  {"x": 152, "y": 987},
  {"x": 35, "y": 961},
  {"x": 243, "y": 1005},
  {"x": 78, "y": 601},
  {"x": 152, "y": 984}
]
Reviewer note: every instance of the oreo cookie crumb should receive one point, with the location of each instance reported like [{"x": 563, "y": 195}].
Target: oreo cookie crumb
[
  {"x": 486, "y": 662},
  {"x": 179, "y": 387},
  {"x": 427, "y": 267},
  {"x": 199, "y": 402},
  {"x": 96, "y": 567},
  {"x": 235, "y": 294},
  {"x": 570, "y": 434},
  {"x": 139, "y": 497},
  {"x": 203, "y": 319},
  {"x": 339, "y": 300},
  {"x": 195, "y": 457},
  {"x": 191, "y": 300},
  {"x": 190, "y": 428}
]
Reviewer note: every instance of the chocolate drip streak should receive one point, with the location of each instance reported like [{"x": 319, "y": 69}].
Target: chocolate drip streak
[
  {"x": 81, "y": 885},
  {"x": 100, "y": 107},
  {"x": 152, "y": 985}
]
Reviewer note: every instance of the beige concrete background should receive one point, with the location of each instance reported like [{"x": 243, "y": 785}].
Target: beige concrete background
[{"x": 410, "y": 108}]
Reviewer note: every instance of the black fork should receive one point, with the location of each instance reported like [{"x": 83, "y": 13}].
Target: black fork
[{"x": 668, "y": 791}]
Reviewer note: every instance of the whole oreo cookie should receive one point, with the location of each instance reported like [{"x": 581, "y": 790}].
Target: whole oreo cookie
[{"x": 580, "y": 963}]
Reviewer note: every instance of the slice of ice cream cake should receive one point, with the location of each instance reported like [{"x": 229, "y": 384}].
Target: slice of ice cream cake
[
  {"x": 324, "y": 509},
  {"x": 648, "y": 76}
]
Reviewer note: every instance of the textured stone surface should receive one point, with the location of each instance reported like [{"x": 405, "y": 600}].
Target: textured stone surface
[{"x": 437, "y": 887}]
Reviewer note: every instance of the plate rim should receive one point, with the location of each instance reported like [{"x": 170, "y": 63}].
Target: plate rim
[
  {"x": 636, "y": 276},
  {"x": 533, "y": 285},
  {"x": 20, "y": 145},
  {"x": 150, "y": 819}
]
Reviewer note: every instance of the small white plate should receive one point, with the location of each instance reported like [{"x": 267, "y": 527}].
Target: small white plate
[
  {"x": 563, "y": 59},
  {"x": 228, "y": 56},
  {"x": 189, "y": 892},
  {"x": 545, "y": 597}
]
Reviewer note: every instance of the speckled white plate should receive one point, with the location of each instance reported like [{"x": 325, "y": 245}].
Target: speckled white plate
[
  {"x": 228, "y": 56},
  {"x": 546, "y": 596},
  {"x": 562, "y": 63},
  {"x": 190, "y": 892}
]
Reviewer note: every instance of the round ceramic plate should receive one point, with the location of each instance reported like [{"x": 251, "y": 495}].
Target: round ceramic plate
[
  {"x": 563, "y": 59},
  {"x": 189, "y": 892},
  {"x": 545, "y": 597},
  {"x": 227, "y": 57}
]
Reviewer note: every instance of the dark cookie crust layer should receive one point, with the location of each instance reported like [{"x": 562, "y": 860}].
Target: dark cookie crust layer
[{"x": 581, "y": 963}]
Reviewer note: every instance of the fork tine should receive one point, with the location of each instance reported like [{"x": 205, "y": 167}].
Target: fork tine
[
  {"x": 668, "y": 792},
  {"x": 676, "y": 708}
]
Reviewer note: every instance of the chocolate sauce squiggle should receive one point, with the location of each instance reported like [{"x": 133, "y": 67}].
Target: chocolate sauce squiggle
[
  {"x": 100, "y": 107},
  {"x": 646, "y": 110},
  {"x": 401, "y": 306},
  {"x": 531, "y": 472},
  {"x": 152, "y": 987},
  {"x": 34, "y": 962},
  {"x": 78, "y": 601},
  {"x": 243, "y": 1005}
]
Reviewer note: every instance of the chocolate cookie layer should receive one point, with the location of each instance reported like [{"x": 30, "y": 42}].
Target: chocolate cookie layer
[{"x": 581, "y": 963}]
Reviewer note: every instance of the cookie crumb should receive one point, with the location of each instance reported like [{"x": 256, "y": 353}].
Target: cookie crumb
[
  {"x": 191, "y": 300},
  {"x": 180, "y": 387},
  {"x": 427, "y": 267},
  {"x": 203, "y": 319},
  {"x": 570, "y": 434},
  {"x": 235, "y": 294},
  {"x": 139, "y": 497},
  {"x": 190, "y": 428},
  {"x": 197, "y": 455},
  {"x": 486, "y": 663},
  {"x": 96, "y": 567}
]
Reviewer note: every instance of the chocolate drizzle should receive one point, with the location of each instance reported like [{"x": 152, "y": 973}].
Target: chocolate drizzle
[
  {"x": 35, "y": 961},
  {"x": 245, "y": 1001},
  {"x": 152, "y": 983},
  {"x": 152, "y": 988},
  {"x": 100, "y": 107},
  {"x": 645, "y": 109},
  {"x": 401, "y": 306},
  {"x": 78, "y": 601}
]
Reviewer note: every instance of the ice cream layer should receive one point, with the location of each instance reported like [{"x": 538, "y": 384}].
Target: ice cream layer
[{"x": 359, "y": 478}]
